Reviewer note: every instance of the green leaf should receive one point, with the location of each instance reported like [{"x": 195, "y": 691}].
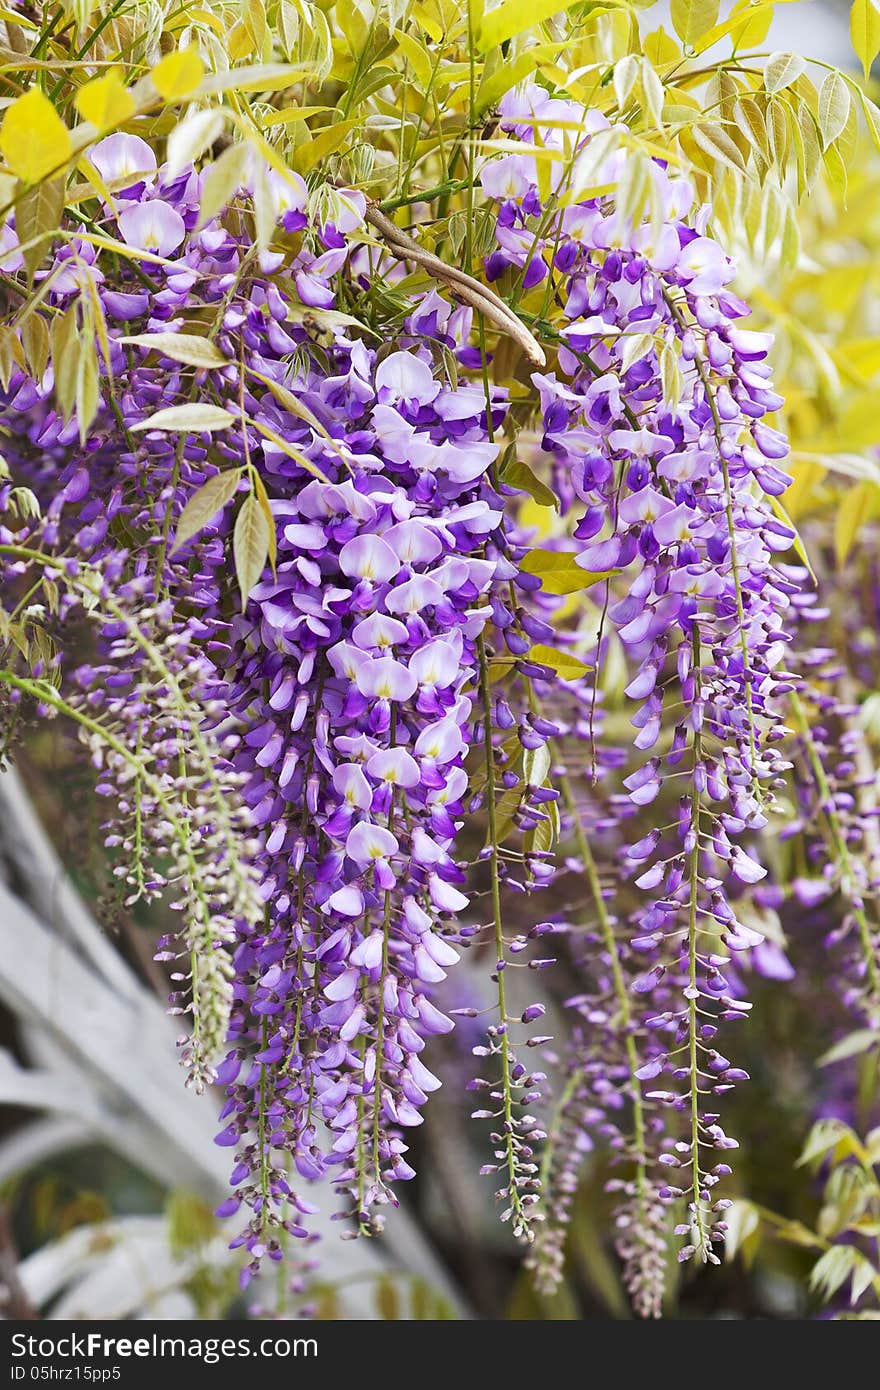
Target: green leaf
[
  {"x": 38, "y": 213},
  {"x": 565, "y": 664},
  {"x": 782, "y": 69},
  {"x": 691, "y": 18},
  {"x": 198, "y": 418},
  {"x": 222, "y": 180},
  {"x": 716, "y": 142},
  {"x": 851, "y": 1046},
  {"x": 188, "y": 348},
  {"x": 250, "y": 546},
  {"x": 825, "y": 1135},
  {"x": 558, "y": 572},
  {"x": 834, "y": 104},
  {"x": 192, "y": 137},
  {"x": 872, "y": 118},
  {"x": 494, "y": 85},
  {"x": 417, "y": 56},
  {"x": 86, "y": 387},
  {"x": 325, "y": 142},
  {"x": 262, "y": 497},
  {"x": 864, "y": 28},
  {"x": 536, "y": 765},
  {"x": 35, "y": 341},
  {"x": 520, "y": 476},
  {"x": 204, "y": 505},
  {"x": 65, "y": 359}
]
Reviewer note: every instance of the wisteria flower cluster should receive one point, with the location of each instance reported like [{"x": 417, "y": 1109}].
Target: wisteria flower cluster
[
  {"x": 301, "y": 770},
  {"x": 654, "y": 425}
]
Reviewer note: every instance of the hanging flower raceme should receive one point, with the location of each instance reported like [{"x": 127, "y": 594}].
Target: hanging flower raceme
[
  {"x": 352, "y": 672},
  {"x": 349, "y": 676},
  {"x": 655, "y": 430}
]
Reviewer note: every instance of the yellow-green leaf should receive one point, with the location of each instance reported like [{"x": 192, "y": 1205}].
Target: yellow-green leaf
[
  {"x": 872, "y": 119},
  {"x": 178, "y": 74},
  {"x": 87, "y": 391},
  {"x": 222, "y": 180},
  {"x": 691, "y": 18},
  {"x": 513, "y": 17},
  {"x": 196, "y": 418},
  {"x": 864, "y": 28},
  {"x": 65, "y": 359},
  {"x": 105, "y": 102},
  {"x": 204, "y": 505},
  {"x": 262, "y": 497},
  {"x": 324, "y": 143},
  {"x": 417, "y": 57},
  {"x": 33, "y": 138},
  {"x": 299, "y": 409},
  {"x": 520, "y": 476},
  {"x": 187, "y": 348},
  {"x": 558, "y": 572},
  {"x": 35, "y": 341},
  {"x": 250, "y": 545},
  {"x": 565, "y": 664},
  {"x": 38, "y": 214},
  {"x": 192, "y": 137},
  {"x": 782, "y": 69},
  {"x": 834, "y": 104},
  {"x": 749, "y": 23},
  {"x": 717, "y": 143}
]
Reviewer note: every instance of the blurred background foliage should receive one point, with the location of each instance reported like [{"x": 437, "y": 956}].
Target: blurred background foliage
[{"x": 398, "y": 98}]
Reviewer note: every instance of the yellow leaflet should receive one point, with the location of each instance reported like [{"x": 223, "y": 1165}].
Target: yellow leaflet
[
  {"x": 33, "y": 139},
  {"x": 292, "y": 114},
  {"x": 178, "y": 74},
  {"x": 427, "y": 22},
  {"x": 106, "y": 102},
  {"x": 324, "y": 143},
  {"x": 95, "y": 184},
  {"x": 864, "y": 28},
  {"x": 513, "y": 16},
  {"x": 565, "y": 664},
  {"x": 661, "y": 49},
  {"x": 747, "y": 27},
  {"x": 207, "y": 18},
  {"x": 416, "y": 56}
]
